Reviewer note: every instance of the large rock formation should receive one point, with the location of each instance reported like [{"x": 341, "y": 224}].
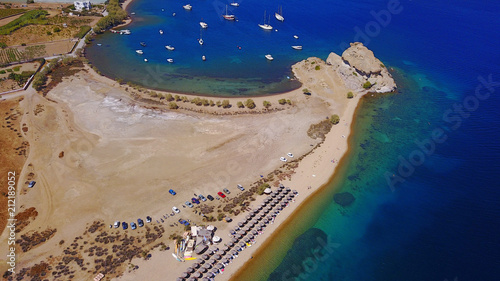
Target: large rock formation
[{"x": 358, "y": 65}]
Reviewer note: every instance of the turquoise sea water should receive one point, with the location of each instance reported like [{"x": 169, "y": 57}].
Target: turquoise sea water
[{"x": 442, "y": 221}]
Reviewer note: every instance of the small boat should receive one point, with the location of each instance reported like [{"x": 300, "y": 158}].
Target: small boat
[
  {"x": 279, "y": 15},
  {"x": 235, "y": 4},
  {"x": 133, "y": 13},
  {"x": 187, "y": 7},
  {"x": 170, "y": 47},
  {"x": 203, "y": 24},
  {"x": 170, "y": 60},
  {"x": 227, "y": 16},
  {"x": 143, "y": 44},
  {"x": 200, "y": 41},
  {"x": 145, "y": 60},
  {"x": 203, "y": 58},
  {"x": 140, "y": 52},
  {"x": 173, "y": 14},
  {"x": 269, "y": 57},
  {"x": 99, "y": 44},
  {"x": 297, "y": 47},
  {"x": 161, "y": 32},
  {"x": 266, "y": 26},
  {"x": 296, "y": 37}
]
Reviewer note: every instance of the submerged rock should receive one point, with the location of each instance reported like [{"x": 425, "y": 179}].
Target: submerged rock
[{"x": 344, "y": 199}]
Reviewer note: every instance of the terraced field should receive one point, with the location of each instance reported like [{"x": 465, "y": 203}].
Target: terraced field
[{"x": 9, "y": 55}]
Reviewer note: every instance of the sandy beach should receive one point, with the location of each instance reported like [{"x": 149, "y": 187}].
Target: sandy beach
[{"x": 101, "y": 152}]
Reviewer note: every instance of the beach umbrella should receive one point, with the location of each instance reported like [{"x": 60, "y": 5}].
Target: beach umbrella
[
  {"x": 281, "y": 186},
  {"x": 221, "y": 252},
  {"x": 238, "y": 248},
  {"x": 260, "y": 207},
  {"x": 185, "y": 275},
  {"x": 180, "y": 279},
  {"x": 190, "y": 269},
  {"x": 279, "y": 208},
  {"x": 250, "y": 224},
  {"x": 259, "y": 228},
  {"x": 214, "y": 271},
  {"x": 225, "y": 261},
  {"x": 203, "y": 270},
  {"x": 205, "y": 279},
  {"x": 295, "y": 192},
  {"x": 246, "y": 228},
  {"x": 286, "y": 200},
  {"x": 255, "y": 211},
  {"x": 232, "y": 232},
  {"x": 280, "y": 196},
  {"x": 246, "y": 239},
  {"x": 210, "y": 275},
  {"x": 196, "y": 265},
  {"x": 236, "y": 228},
  {"x": 283, "y": 204},
  {"x": 273, "y": 203},
  {"x": 210, "y": 227},
  {"x": 192, "y": 279},
  {"x": 262, "y": 224},
  {"x": 214, "y": 249},
  {"x": 242, "y": 244},
  {"x": 248, "y": 217},
  {"x": 239, "y": 236},
  {"x": 205, "y": 257},
  {"x": 212, "y": 261},
  {"x": 220, "y": 265},
  {"x": 263, "y": 204},
  {"x": 234, "y": 252},
  {"x": 234, "y": 240},
  {"x": 241, "y": 224},
  {"x": 265, "y": 220},
  {"x": 207, "y": 266},
  {"x": 255, "y": 232},
  {"x": 273, "y": 195},
  {"x": 267, "y": 190},
  {"x": 225, "y": 248},
  {"x": 218, "y": 257},
  {"x": 197, "y": 274},
  {"x": 250, "y": 236}
]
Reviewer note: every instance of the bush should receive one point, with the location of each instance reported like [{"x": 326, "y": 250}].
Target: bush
[
  {"x": 282, "y": 101},
  {"x": 250, "y": 104},
  {"x": 289, "y": 102},
  {"x": 218, "y": 103},
  {"x": 355, "y": 74},
  {"x": 306, "y": 91},
  {"x": 266, "y": 104},
  {"x": 57, "y": 29},
  {"x": 2, "y": 72},
  {"x": 83, "y": 30},
  {"x": 173, "y": 105},
  {"x": 169, "y": 97},
  {"x": 350, "y": 95},
  {"x": 262, "y": 187},
  {"x": 240, "y": 105},
  {"x": 49, "y": 33},
  {"x": 39, "y": 81},
  {"x": 16, "y": 68},
  {"x": 30, "y": 17},
  {"x": 177, "y": 98},
  {"x": 317, "y": 67},
  {"x": 3, "y": 45},
  {"x": 334, "y": 119},
  {"x": 367, "y": 85},
  {"x": 226, "y": 104}
]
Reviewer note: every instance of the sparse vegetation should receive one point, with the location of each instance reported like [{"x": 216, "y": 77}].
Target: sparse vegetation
[
  {"x": 306, "y": 91},
  {"x": 282, "y": 101},
  {"x": 83, "y": 30},
  {"x": 240, "y": 105},
  {"x": 249, "y": 103},
  {"x": 355, "y": 73},
  {"x": 317, "y": 67},
  {"x": 367, "y": 85},
  {"x": 226, "y": 104},
  {"x": 31, "y": 17},
  {"x": 262, "y": 187},
  {"x": 266, "y": 104},
  {"x": 9, "y": 12},
  {"x": 350, "y": 95}
]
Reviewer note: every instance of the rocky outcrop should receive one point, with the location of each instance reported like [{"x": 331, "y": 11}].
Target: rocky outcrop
[{"x": 357, "y": 66}]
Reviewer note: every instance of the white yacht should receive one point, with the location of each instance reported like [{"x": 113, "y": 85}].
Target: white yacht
[
  {"x": 187, "y": 7},
  {"x": 161, "y": 32},
  {"x": 279, "y": 15},
  {"x": 235, "y": 4},
  {"x": 203, "y": 24},
  {"x": 140, "y": 52},
  {"x": 297, "y": 47},
  {"x": 170, "y": 60},
  {"x": 266, "y": 26},
  {"x": 269, "y": 57},
  {"x": 170, "y": 47}
]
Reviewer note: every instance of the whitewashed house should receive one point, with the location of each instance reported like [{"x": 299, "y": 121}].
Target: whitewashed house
[{"x": 82, "y": 5}]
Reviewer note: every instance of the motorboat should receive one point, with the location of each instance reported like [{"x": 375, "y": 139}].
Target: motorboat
[
  {"x": 235, "y": 4},
  {"x": 170, "y": 60},
  {"x": 140, "y": 52},
  {"x": 143, "y": 44},
  {"x": 269, "y": 57},
  {"x": 170, "y": 47},
  {"x": 161, "y": 32},
  {"x": 187, "y": 7},
  {"x": 145, "y": 60},
  {"x": 297, "y": 47},
  {"x": 203, "y": 24},
  {"x": 296, "y": 37},
  {"x": 203, "y": 58},
  {"x": 200, "y": 41}
]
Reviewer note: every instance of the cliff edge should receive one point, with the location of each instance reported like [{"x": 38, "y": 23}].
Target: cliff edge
[{"x": 361, "y": 70}]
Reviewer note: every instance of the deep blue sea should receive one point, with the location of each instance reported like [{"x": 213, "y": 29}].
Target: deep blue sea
[{"x": 424, "y": 162}]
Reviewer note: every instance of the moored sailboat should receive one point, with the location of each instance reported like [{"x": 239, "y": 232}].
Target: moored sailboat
[
  {"x": 266, "y": 26},
  {"x": 279, "y": 15},
  {"x": 227, "y": 16}
]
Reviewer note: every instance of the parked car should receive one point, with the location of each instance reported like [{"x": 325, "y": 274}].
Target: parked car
[
  {"x": 189, "y": 204},
  {"x": 31, "y": 183},
  {"x": 240, "y": 187},
  {"x": 283, "y": 159},
  {"x": 117, "y": 224},
  {"x": 202, "y": 198},
  {"x": 176, "y": 210},
  {"x": 184, "y": 222},
  {"x": 124, "y": 225},
  {"x": 194, "y": 200},
  {"x": 140, "y": 222},
  {"x": 226, "y": 191},
  {"x": 148, "y": 219},
  {"x": 290, "y": 154},
  {"x": 210, "y": 197},
  {"x": 221, "y": 194},
  {"x": 171, "y": 191},
  {"x": 133, "y": 225}
]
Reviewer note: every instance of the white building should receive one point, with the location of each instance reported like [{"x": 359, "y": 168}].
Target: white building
[{"x": 82, "y": 5}]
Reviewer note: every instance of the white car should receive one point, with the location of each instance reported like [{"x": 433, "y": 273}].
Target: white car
[
  {"x": 290, "y": 155},
  {"x": 117, "y": 224},
  {"x": 176, "y": 210},
  {"x": 283, "y": 159}
]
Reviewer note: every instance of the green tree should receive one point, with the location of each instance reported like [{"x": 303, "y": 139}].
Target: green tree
[
  {"x": 266, "y": 104},
  {"x": 177, "y": 98},
  {"x": 169, "y": 97},
  {"x": 226, "y": 104},
  {"x": 289, "y": 102},
  {"x": 39, "y": 81},
  {"x": 317, "y": 67},
  {"x": 350, "y": 95},
  {"x": 240, "y": 105},
  {"x": 249, "y": 103},
  {"x": 334, "y": 119},
  {"x": 282, "y": 101},
  {"x": 306, "y": 91},
  {"x": 173, "y": 105},
  {"x": 367, "y": 85},
  {"x": 218, "y": 103},
  {"x": 57, "y": 29},
  {"x": 3, "y": 45}
]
